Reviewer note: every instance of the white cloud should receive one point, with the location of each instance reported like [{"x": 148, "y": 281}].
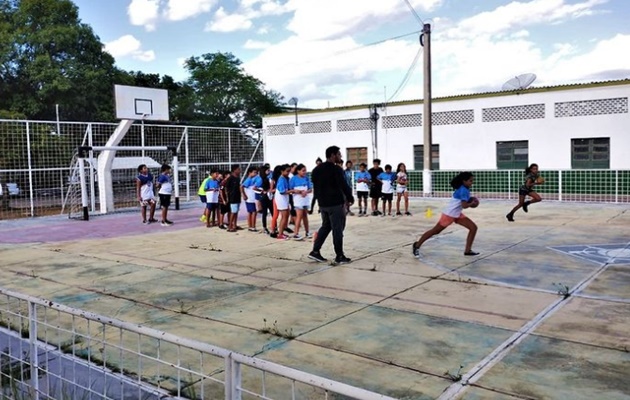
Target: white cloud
[
  {"x": 264, "y": 29},
  {"x": 516, "y": 15},
  {"x": 143, "y": 13},
  {"x": 256, "y": 45},
  {"x": 129, "y": 46},
  {"x": 224, "y": 22},
  {"x": 178, "y": 10}
]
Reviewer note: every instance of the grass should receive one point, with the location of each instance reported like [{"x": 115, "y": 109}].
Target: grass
[
  {"x": 275, "y": 331},
  {"x": 563, "y": 290},
  {"x": 455, "y": 377}
]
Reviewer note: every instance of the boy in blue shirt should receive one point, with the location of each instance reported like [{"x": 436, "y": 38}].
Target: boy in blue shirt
[
  {"x": 212, "y": 189},
  {"x": 387, "y": 179},
  {"x": 363, "y": 179},
  {"x": 165, "y": 191},
  {"x": 247, "y": 190}
]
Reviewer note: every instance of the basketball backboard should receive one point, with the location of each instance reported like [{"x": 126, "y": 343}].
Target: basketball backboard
[{"x": 141, "y": 103}]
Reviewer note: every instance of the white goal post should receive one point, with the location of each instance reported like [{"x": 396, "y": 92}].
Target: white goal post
[{"x": 106, "y": 193}]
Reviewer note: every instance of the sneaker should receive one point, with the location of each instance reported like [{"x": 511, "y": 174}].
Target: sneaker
[
  {"x": 223, "y": 226},
  {"x": 144, "y": 221},
  {"x": 415, "y": 250},
  {"x": 273, "y": 234},
  {"x": 379, "y": 213},
  {"x": 374, "y": 213},
  {"x": 408, "y": 214},
  {"x": 510, "y": 217},
  {"x": 152, "y": 220},
  {"x": 525, "y": 205},
  {"x": 283, "y": 237},
  {"x": 471, "y": 253},
  {"x": 164, "y": 223},
  {"x": 399, "y": 214},
  {"x": 309, "y": 235},
  {"x": 310, "y": 212},
  {"x": 288, "y": 230},
  {"x": 266, "y": 231},
  {"x": 168, "y": 222},
  {"x": 252, "y": 229},
  {"x": 298, "y": 237},
  {"x": 316, "y": 256},
  {"x": 342, "y": 260},
  {"x": 350, "y": 213}
]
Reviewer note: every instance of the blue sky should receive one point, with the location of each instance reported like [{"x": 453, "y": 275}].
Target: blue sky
[{"x": 337, "y": 52}]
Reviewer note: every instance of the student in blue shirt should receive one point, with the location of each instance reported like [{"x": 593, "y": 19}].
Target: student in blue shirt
[
  {"x": 363, "y": 179},
  {"x": 453, "y": 213},
  {"x": 302, "y": 189},
  {"x": 387, "y": 179},
  {"x": 247, "y": 190},
  {"x": 212, "y": 189},
  {"x": 281, "y": 199}
]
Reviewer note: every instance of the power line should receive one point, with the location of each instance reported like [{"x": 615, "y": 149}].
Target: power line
[
  {"x": 410, "y": 71},
  {"x": 415, "y": 14}
]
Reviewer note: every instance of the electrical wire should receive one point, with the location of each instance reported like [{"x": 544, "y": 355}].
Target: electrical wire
[
  {"x": 415, "y": 14},
  {"x": 410, "y": 71}
]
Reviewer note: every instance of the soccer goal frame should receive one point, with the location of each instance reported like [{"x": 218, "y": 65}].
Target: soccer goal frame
[{"x": 106, "y": 193}]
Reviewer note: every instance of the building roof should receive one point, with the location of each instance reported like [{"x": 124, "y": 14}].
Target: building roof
[{"x": 541, "y": 89}]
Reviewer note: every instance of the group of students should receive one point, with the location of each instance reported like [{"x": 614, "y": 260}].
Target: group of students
[{"x": 145, "y": 193}]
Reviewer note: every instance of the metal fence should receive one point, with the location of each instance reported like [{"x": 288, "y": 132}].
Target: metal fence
[
  {"x": 37, "y": 160},
  {"x": 51, "y": 351}
]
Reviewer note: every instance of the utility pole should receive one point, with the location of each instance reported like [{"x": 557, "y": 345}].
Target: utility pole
[
  {"x": 374, "y": 116},
  {"x": 425, "y": 41}
]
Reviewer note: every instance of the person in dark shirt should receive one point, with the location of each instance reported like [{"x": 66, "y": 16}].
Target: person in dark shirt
[
  {"x": 333, "y": 194},
  {"x": 375, "y": 190},
  {"x": 233, "y": 189}
]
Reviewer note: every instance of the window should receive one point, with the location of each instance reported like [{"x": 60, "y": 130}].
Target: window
[
  {"x": 512, "y": 155},
  {"x": 357, "y": 155},
  {"x": 418, "y": 157},
  {"x": 590, "y": 153}
]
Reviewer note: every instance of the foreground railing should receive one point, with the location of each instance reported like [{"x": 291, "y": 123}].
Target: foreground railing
[{"x": 51, "y": 351}]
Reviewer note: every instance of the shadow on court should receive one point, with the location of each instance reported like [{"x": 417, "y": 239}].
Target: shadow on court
[{"x": 543, "y": 312}]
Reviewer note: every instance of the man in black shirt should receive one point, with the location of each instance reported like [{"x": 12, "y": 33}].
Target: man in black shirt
[
  {"x": 333, "y": 194},
  {"x": 377, "y": 186},
  {"x": 233, "y": 189}
]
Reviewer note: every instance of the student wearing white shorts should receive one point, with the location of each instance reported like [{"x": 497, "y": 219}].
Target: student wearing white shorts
[
  {"x": 302, "y": 189},
  {"x": 281, "y": 198},
  {"x": 145, "y": 194},
  {"x": 401, "y": 189}
]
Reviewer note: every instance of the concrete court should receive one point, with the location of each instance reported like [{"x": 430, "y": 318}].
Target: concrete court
[{"x": 387, "y": 322}]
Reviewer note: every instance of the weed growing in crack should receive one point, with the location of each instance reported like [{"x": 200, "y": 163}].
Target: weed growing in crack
[
  {"x": 457, "y": 376},
  {"x": 183, "y": 308},
  {"x": 563, "y": 290},
  {"x": 274, "y": 330}
]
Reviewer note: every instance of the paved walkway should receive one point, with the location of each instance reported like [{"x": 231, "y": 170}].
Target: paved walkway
[{"x": 387, "y": 322}]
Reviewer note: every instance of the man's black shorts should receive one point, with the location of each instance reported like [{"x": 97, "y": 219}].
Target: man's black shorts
[
  {"x": 362, "y": 195},
  {"x": 225, "y": 208},
  {"x": 375, "y": 193},
  {"x": 165, "y": 200}
]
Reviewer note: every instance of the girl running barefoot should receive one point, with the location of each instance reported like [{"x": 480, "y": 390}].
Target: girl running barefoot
[
  {"x": 453, "y": 213},
  {"x": 532, "y": 178},
  {"x": 401, "y": 188}
]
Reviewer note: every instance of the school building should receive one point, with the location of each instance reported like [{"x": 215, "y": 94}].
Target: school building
[{"x": 579, "y": 127}]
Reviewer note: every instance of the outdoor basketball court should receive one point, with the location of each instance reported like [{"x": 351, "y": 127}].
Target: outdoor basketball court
[{"x": 387, "y": 322}]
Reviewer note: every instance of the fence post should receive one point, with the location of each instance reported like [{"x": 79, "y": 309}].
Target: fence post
[
  {"x": 616, "y": 186},
  {"x": 227, "y": 385},
  {"x": 187, "y": 151},
  {"x": 560, "y": 185},
  {"x": 236, "y": 379},
  {"x": 30, "y": 167},
  {"x": 230, "y": 148},
  {"x": 91, "y": 164},
  {"x": 33, "y": 350}
]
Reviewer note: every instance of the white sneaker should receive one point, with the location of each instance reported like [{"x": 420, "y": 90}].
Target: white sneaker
[
  {"x": 309, "y": 235},
  {"x": 298, "y": 237}
]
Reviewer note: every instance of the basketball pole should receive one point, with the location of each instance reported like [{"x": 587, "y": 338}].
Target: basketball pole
[{"x": 425, "y": 41}]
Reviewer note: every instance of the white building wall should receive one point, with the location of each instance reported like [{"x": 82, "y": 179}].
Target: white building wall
[{"x": 462, "y": 146}]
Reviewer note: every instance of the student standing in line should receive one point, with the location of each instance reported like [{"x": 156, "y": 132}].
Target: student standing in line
[
  {"x": 348, "y": 173},
  {"x": 317, "y": 163},
  {"x": 401, "y": 189},
  {"x": 363, "y": 179},
  {"x": 202, "y": 197},
  {"x": 282, "y": 200},
  {"x": 453, "y": 213},
  {"x": 165, "y": 190},
  {"x": 266, "y": 197},
  {"x": 248, "y": 193},
  {"x": 212, "y": 195},
  {"x": 145, "y": 194},
  {"x": 532, "y": 178},
  {"x": 387, "y": 179},
  {"x": 375, "y": 190},
  {"x": 233, "y": 189},
  {"x": 224, "y": 206},
  {"x": 302, "y": 188}
]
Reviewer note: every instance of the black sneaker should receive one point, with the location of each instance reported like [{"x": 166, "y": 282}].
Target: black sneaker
[
  {"x": 398, "y": 214},
  {"x": 316, "y": 256},
  {"x": 525, "y": 205},
  {"x": 222, "y": 226},
  {"x": 288, "y": 230},
  {"x": 374, "y": 213},
  {"x": 408, "y": 214},
  {"x": 273, "y": 234},
  {"x": 267, "y": 231},
  {"x": 415, "y": 250},
  {"x": 471, "y": 253},
  {"x": 342, "y": 260},
  {"x": 510, "y": 217}
]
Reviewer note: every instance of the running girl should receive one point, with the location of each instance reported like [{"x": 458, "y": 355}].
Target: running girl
[
  {"x": 453, "y": 213},
  {"x": 401, "y": 188},
  {"x": 532, "y": 178},
  {"x": 302, "y": 188}
]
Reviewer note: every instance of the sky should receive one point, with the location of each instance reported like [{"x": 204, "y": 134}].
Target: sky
[{"x": 331, "y": 53}]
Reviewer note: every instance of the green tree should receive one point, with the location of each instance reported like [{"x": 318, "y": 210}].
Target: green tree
[
  {"x": 50, "y": 57},
  {"x": 224, "y": 94}
]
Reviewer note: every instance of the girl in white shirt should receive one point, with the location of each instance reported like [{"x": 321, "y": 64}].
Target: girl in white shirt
[{"x": 401, "y": 189}]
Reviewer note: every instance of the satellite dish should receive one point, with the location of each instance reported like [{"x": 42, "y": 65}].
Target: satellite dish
[{"x": 520, "y": 82}]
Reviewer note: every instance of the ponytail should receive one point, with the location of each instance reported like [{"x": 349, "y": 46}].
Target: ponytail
[{"x": 458, "y": 181}]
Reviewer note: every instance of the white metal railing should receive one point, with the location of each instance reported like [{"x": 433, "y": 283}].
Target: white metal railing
[{"x": 51, "y": 351}]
